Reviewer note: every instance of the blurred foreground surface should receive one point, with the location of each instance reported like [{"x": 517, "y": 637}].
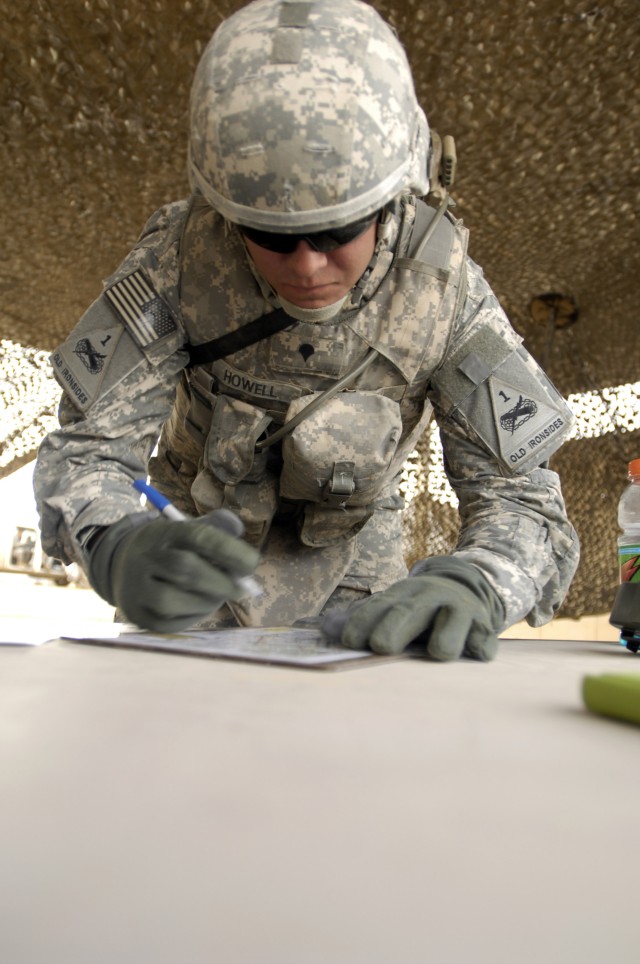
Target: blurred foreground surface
[{"x": 179, "y": 810}]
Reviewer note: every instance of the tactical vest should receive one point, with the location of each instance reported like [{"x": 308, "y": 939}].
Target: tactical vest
[{"x": 342, "y": 461}]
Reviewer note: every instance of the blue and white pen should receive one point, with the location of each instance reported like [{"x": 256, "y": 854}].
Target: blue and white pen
[
  {"x": 169, "y": 511},
  {"x": 160, "y": 501}
]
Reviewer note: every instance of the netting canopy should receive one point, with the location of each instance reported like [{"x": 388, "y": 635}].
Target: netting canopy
[
  {"x": 542, "y": 99},
  {"x": 28, "y": 400}
]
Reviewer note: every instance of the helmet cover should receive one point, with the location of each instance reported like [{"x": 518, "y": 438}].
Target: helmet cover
[{"x": 304, "y": 116}]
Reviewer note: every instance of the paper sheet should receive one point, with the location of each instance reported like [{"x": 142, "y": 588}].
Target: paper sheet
[{"x": 282, "y": 645}]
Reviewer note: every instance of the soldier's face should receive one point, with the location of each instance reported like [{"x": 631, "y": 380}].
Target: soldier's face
[{"x": 314, "y": 279}]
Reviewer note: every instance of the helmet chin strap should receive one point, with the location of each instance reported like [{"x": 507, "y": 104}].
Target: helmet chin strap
[{"x": 313, "y": 315}]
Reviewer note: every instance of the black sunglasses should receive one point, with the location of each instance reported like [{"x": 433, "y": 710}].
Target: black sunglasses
[{"x": 320, "y": 241}]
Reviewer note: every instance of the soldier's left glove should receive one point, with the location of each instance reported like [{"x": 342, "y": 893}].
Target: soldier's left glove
[{"x": 446, "y": 604}]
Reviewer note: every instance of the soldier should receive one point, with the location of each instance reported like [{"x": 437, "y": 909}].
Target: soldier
[{"x": 288, "y": 332}]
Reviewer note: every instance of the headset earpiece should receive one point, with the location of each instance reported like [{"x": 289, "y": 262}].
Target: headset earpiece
[{"x": 443, "y": 162}]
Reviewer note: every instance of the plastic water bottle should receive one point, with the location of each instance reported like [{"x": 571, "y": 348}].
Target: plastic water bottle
[
  {"x": 629, "y": 522},
  {"x": 626, "y": 608}
]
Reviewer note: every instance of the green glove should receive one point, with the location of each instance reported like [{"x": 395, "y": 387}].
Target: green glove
[
  {"x": 166, "y": 575},
  {"x": 445, "y": 603}
]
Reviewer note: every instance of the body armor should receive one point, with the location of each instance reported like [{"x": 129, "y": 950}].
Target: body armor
[{"x": 339, "y": 464}]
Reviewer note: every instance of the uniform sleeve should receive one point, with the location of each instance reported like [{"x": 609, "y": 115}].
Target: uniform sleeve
[
  {"x": 118, "y": 370},
  {"x": 499, "y": 420}
]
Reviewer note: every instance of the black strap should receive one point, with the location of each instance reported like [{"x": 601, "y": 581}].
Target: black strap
[{"x": 210, "y": 351}]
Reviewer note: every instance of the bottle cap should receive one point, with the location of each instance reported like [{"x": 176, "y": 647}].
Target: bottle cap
[{"x": 634, "y": 467}]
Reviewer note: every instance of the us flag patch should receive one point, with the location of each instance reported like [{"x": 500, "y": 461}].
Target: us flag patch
[{"x": 141, "y": 308}]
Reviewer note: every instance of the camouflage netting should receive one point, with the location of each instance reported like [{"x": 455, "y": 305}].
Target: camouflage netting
[
  {"x": 28, "y": 400},
  {"x": 540, "y": 95}
]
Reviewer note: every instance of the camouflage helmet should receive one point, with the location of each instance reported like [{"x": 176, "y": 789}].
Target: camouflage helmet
[{"x": 304, "y": 116}]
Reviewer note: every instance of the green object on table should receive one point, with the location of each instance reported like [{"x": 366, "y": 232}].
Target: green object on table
[{"x": 613, "y": 694}]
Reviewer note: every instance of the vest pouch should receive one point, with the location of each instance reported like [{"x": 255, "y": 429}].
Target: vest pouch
[
  {"x": 340, "y": 454},
  {"x": 254, "y": 502},
  {"x": 175, "y": 466},
  {"x": 322, "y": 525},
  {"x": 229, "y": 451}
]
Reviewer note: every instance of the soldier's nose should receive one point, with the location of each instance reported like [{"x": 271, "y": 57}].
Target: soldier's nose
[{"x": 306, "y": 260}]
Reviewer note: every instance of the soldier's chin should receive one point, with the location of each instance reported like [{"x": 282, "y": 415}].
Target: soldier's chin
[{"x": 313, "y": 315}]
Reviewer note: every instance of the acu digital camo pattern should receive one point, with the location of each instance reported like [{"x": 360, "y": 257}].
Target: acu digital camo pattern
[
  {"x": 304, "y": 116},
  {"x": 404, "y": 315},
  {"x": 514, "y": 527}
]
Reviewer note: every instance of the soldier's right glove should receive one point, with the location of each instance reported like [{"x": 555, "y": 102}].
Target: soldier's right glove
[{"x": 165, "y": 575}]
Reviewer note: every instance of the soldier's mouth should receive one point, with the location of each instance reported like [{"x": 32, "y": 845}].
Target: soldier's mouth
[{"x": 317, "y": 294}]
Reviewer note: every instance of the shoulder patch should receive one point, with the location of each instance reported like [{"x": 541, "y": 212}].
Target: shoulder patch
[
  {"x": 525, "y": 422},
  {"x": 81, "y": 363},
  {"x": 144, "y": 312},
  {"x": 501, "y": 392}
]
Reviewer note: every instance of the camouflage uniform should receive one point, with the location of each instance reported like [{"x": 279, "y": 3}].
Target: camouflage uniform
[{"x": 443, "y": 345}]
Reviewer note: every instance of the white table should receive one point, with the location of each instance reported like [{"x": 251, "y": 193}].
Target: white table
[{"x": 163, "y": 809}]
